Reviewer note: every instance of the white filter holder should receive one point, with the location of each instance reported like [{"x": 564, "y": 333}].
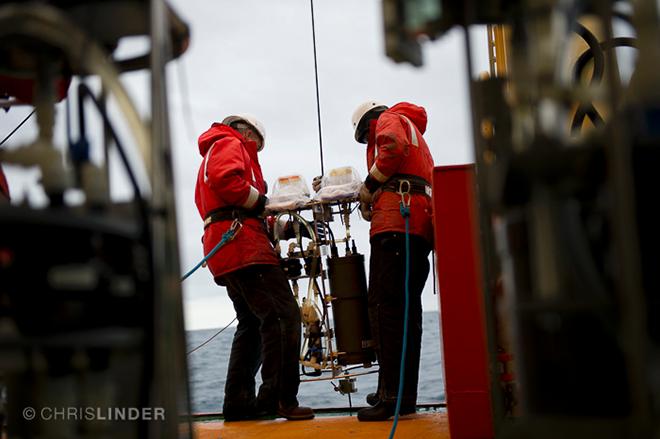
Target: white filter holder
[
  {"x": 340, "y": 183},
  {"x": 289, "y": 193}
]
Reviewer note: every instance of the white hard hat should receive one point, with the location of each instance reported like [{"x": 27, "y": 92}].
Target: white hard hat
[
  {"x": 250, "y": 120},
  {"x": 360, "y": 112}
]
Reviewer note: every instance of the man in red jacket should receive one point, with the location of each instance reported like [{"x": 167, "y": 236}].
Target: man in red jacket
[
  {"x": 230, "y": 187},
  {"x": 399, "y": 160}
]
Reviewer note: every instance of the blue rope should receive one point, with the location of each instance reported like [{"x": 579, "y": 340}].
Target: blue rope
[
  {"x": 226, "y": 237},
  {"x": 405, "y": 213}
]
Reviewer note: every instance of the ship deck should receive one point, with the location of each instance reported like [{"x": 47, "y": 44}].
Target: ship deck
[{"x": 420, "y": 425}]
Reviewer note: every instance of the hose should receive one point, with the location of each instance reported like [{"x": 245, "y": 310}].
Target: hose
[
  {"x": 587, "y": 55},
  {"x": 303, "y": 221},
  {"x": 405, "y": 213},
  {"x": 595, "y": 53}
]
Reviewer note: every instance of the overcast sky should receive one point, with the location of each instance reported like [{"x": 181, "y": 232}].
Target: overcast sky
[{"x": 257, "y": 57}]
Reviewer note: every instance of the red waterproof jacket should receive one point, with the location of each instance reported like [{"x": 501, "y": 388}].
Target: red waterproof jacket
[
  {"x": 396, "y": 146},
  {"x": 230, "y": 175}
]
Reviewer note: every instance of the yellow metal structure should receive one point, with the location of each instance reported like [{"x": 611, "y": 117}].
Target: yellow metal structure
[{"x": 497, "y": 57}]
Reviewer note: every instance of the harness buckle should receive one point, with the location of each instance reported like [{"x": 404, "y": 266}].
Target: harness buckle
[
  {"x": 405, "y": 194},
  {"x": 235, "y": 227}
]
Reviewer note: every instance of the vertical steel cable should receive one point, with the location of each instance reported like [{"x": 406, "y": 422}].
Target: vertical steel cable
[
  {"x": 316, "y": 75},
  {"x": 32, "y": 112}
]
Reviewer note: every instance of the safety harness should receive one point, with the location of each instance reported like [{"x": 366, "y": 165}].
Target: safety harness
[
  {"x": 227, "y": 213},
  {"x": 412, "y": 185}
]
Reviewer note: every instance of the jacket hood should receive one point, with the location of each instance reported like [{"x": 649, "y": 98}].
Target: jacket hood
[
  {"x": 213, "y": 134},
  {"x": 413, "y": 112}
]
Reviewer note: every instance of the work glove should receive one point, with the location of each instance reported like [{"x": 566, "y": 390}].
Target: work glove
[
  {"x": 365, "y": 211},
  {"x": 260, "y": 207},
  {"x": 316, "y": 183},
  {"x": 366, "y": 197}
]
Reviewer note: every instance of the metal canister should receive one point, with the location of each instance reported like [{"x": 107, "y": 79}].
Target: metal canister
[{"x": 348, "y": 286}]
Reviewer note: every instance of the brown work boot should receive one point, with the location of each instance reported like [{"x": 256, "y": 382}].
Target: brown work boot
[{"x": 296, "y": 413}]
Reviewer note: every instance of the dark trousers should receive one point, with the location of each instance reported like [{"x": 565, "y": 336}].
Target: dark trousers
[
  {"x": 386, "y": 310},
  {"x": 267, "y": 335}
]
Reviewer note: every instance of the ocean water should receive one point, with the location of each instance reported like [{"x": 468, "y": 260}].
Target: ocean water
[{"x": 208, "y": 368}]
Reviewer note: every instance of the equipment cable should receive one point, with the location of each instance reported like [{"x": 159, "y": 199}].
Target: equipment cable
[
  {"x": 316, "y": 76},
  {"x": 212, "y": 337},
  {"x": 21, "y": 124},
  {"x": 596, "y": 52},
  {"x": 85, "y": 92},
  {"x": 405, "y": 213},
  {"x": 226, "y": 237}
]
